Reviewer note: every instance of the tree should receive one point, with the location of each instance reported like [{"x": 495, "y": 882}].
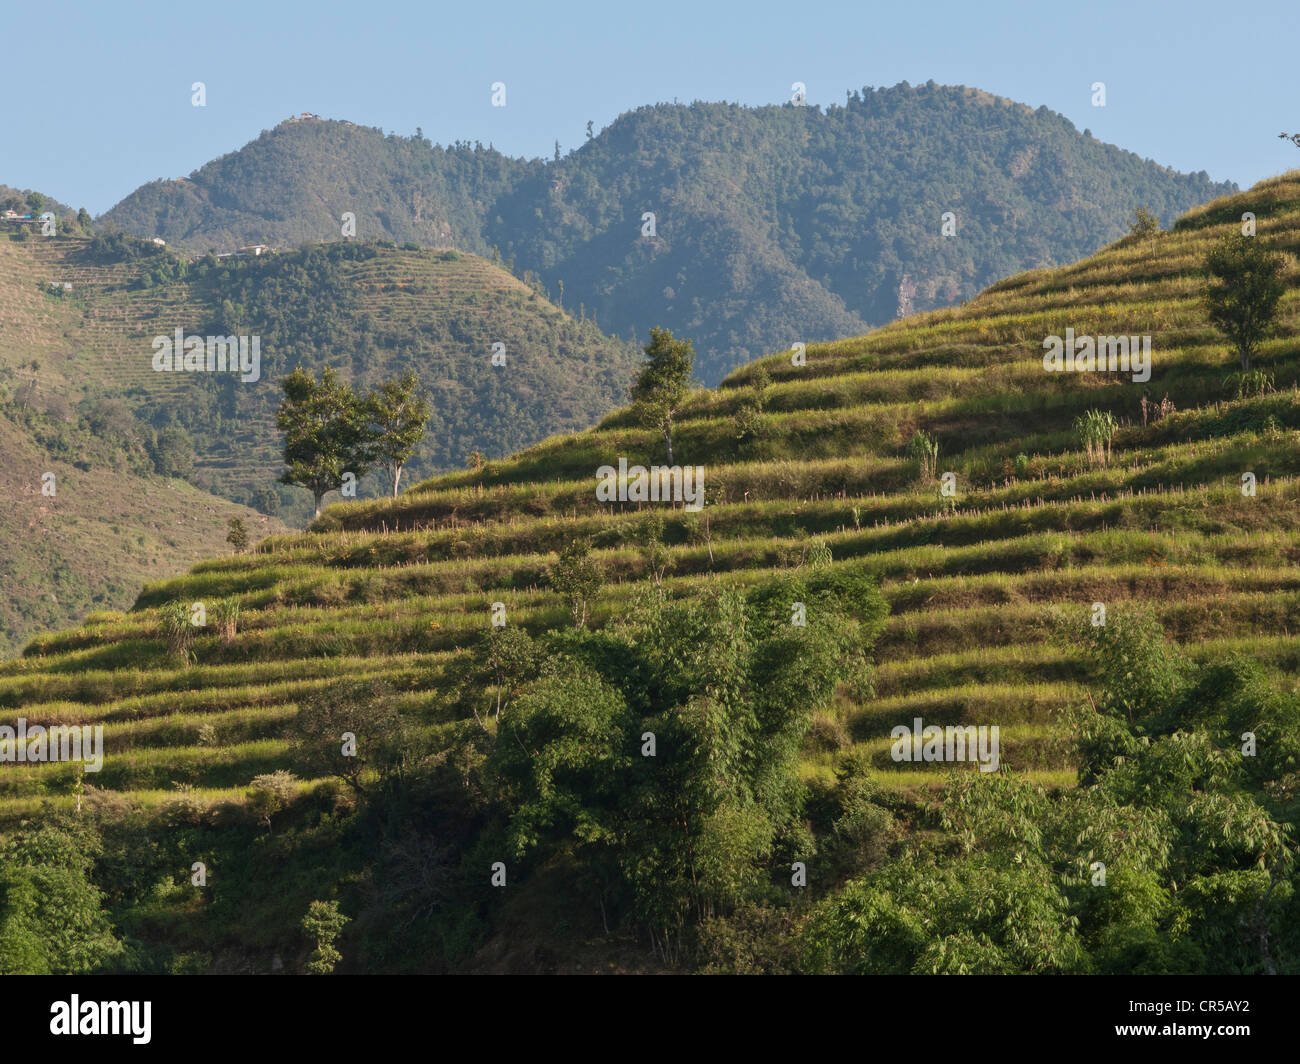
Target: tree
[
  {"x": 748, "y": 418},
  {"x": 352, "y": 730},
  {"x": 324, "y": 922},
  {"x": 1144, "y": 225},
  {"x": 270, "y": 792},
  {"x": 649, "y": 538},
  {"x": 724, "y": 688},
  {"x": 52, "y": 919},
  {"x": 511, "y": 658},
  {"x": 1245, "y": 286},
  {"x": 663, "y": 383},
  {"x": 237, "y": 536},
  {"x": 326, "y": 434},
  {"x": 576, "y": 577},
  {"x": 173, "y": 452},
  {"x": 266, "y": 500},
  {"x": 397, "y": 419}
]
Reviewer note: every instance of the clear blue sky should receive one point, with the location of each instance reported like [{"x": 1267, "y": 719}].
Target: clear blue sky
[{"x": 97, "y": 95}]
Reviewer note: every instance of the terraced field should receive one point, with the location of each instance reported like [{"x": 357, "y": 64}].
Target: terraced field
[
  {"x": 435, "y": 313},
  {"x": 1035, "y": 531}
]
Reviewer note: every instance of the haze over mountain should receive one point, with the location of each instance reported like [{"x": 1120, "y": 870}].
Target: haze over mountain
[{"x": 771, "y": 225}]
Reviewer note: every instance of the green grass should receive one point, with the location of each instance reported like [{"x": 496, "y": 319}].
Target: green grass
[{"x": 396, "y": 588}]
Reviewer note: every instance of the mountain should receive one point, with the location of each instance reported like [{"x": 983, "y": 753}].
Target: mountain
[
  {"x": 991, "y": 585},
  {"x": 772, "y": 225}
]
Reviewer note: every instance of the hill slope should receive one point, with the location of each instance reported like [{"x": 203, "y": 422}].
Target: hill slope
[
  {"x": 772, "y": 224},
  {"x": 394, "y": 589},
  {"x": 98, "y": 539},
  {"x": 371, "y": 311},
  {"x": 112, "y": 521}
]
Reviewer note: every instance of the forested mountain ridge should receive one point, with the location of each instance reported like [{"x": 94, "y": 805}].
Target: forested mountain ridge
[{"x": 772, "y": 225}]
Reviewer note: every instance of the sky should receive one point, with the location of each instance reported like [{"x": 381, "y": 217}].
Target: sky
[{"x": 99, "y": 96}]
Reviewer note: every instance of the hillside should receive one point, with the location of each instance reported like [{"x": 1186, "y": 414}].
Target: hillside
[
  {"x": 371, "y": 311},
  {"x": 402, "y": 590},
  {"x": 772, "y": 224},
  {"x": 115, "y": 519},
  {"x": 95, "y": 543}
]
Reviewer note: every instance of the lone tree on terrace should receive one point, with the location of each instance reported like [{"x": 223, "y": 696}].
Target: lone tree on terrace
[
  {"x": 326, "y": 433},
  {"x": 663, "y": 383},
  {"x": 576, "y": 577},
  {"x": 397, "y": 417},
  {"x": 1144, "y": 225},
  {"x": 237, "y": 536},
  {"x": 1243, "y": 293}
]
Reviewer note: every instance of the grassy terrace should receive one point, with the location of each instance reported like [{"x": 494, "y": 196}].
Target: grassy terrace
[{"x": 976, "y": 583}]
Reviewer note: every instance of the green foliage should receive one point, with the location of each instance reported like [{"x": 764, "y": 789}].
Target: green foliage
[
  {"x": 225, "y": 613},
  {"x": 1243, "y": 291},
  {"x": 1251, "y": 384},
  {"x": 666, "y": 746},
  {"x": 271, "y": 792},
  {"x": 114, "y": 248},
  {"x": 1168, "y": 857},
  {"x": 862, "y": 825},
  {"x": 1138, "y": 672},
  {"x": 397, "y": 417},
  {"x": 512, "y": 658},
  {"x": 662, "y": 384},
  {"x": 563, "y": 749},
  {"x": 237, "y": 535},
  {"x": 51, "y": 916},
  {"x": 576, "y": 577},
  {"x": 173, "y": 452},
  {"x": 748, "y": 418},
  {"x": 1178, "y": 770},
  {"x": 353, "y": 730},
  {"x": 1144, "y": 225},
  {"x": 324, "y": 923},
  {"x": 649, "y": 537},
  {"x": 326, "y": 434},
  {"x": 176, "y": 629}
]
